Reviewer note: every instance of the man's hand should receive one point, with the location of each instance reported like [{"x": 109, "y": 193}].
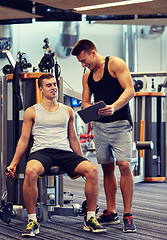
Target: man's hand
[
  {"x": 10, "y": 172},
  {"x": 106, "y": 111}
]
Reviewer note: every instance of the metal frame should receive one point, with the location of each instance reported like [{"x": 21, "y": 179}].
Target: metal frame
[
  {"x": 0, "y": 135},
  {"x": 141, "y": 160},
  {"x": 3, "y": 132},
  {"x": 149, "y": 74}
]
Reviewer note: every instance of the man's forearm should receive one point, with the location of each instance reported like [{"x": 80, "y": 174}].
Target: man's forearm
[
  {"x": 124, "y": 98},
  {"x": 20, "y": 150},
  {"x": 85, "y": 104},
  {"x": 76, "y": 147}
]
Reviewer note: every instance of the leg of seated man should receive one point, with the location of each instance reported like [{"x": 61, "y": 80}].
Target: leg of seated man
[
  {"x": 90, "y": 171},
  {"x": 30, "y": 191}
]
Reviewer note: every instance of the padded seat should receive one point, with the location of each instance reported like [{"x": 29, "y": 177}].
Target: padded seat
[{"x": 55, "y": 170}]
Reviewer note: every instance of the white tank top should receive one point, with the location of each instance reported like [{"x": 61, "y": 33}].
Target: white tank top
[{"x": 50, "y": 128}]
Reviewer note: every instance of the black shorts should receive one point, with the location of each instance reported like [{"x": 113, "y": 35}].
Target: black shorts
[{"x": 49, "y": 157}]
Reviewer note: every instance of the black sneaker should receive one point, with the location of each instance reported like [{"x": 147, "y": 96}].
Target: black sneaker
[
  {"x": 93, "y": 225},
  {"x": 108, "y": 218},
  {"x": 129, "y": 225},
  {"x": 32, "y": 228}
]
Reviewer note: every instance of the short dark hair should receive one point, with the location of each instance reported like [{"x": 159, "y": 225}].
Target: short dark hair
[
  {"x": 44, "y": 76},
  {"x": 83, "y": 45}
]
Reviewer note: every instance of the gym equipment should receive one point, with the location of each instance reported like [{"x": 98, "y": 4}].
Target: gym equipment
[
  {"x": 23, "y": 95},
  {"x": 8, "y": 69},
  {"x": 149, "y": 125},
  {"x": 11, "y": 127},
  {"x": 163, "y": 85},
  {"x": 50, "y": 200},
  {"x": 144, "y": 145},
  {"x": 3, "y": 146},
  {"x": 87, "y": 140},
  {"x": 1, "y": 165},
  {"x": 152, "y": 85},
  {"x": 5, "y": 48},
  {"x": 24, "y": 61},
  {"x": 49, "y": 61},
  {"x": 137, "y": 162},
  {"x": 6, "y": 211},
  {"x": 138, "y": 85},
  {"x": 53, "y": 195},
  {"x": 86, "y": 137}
]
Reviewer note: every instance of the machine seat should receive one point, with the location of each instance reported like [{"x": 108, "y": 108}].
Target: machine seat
[{"x": 55, "y": 170}]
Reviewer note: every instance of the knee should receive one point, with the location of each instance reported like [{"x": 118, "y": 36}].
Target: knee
[
  {"x": 30, "y": 175},
  {"x": 93, "y": 171},
  {"x": 108, "y": 169},
  {"x": 125, "y": 168}
]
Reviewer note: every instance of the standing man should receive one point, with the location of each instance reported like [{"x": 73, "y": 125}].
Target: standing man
[
  {"x": 109, "y": 79},
  {"x": 54, "y": 143}
]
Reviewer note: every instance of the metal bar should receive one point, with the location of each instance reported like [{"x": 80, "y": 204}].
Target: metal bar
[
  {"x": 144, "y": 145},
  {"x": 149, "y": 74},
  {"x": 0, "y": 116},
  {"x": 0, "y": 136},
  {"x": 60, "y": 177},
  {"x": 10, "y": 58},
  {"x": 61, "y": 90},
  {"x": 4, "y": 133}
]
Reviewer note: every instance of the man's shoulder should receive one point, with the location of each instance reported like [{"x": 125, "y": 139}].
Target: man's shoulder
[
  {"x": 62, "y": 105},
  {"x": 65, "y": 107},
  {"x": 29, "y": 109},
  {"x": 114, "y": 59},
  {"x": 30, "y": 112},
  {"x": 116, "y": 62},
  {"x": 70, "y": 110}
]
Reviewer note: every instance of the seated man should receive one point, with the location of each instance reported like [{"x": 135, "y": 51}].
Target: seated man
[{"x": 54, "y": 143}]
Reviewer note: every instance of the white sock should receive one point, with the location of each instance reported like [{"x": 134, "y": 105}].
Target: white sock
[
  {"x": 90, "y": 214},
  {"x": 32, "y": 217}
]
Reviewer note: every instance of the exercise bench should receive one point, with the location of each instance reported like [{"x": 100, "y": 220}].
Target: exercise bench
[{"x": 51, "y": 197}]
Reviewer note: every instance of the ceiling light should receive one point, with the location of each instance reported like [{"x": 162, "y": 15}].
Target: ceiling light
[{"x": 113, "y": 4}]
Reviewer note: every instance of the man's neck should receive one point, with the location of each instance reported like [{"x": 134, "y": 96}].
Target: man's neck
[
  {"x": 100, "y": 62},
  {"x": 50, "y": 105}
]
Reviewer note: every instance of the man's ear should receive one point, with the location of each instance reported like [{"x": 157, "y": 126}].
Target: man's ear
[
  {"x": 40, "y": 89},
  {"x": 93, "y": 52}
]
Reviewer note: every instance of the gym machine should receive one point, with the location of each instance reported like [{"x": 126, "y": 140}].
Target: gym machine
[
  {"x": 6, "y": 208},
  {"x": 150, "y": 125},
  {"x": 53, "y": 194},
  {"x": 14, "y": 81}
]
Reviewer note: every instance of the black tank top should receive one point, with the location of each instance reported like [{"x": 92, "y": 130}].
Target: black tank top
[{"x": 109, "y": 90}]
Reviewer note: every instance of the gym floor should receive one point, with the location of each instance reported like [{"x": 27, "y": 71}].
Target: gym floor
[{"x": 149, "y": 210}]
